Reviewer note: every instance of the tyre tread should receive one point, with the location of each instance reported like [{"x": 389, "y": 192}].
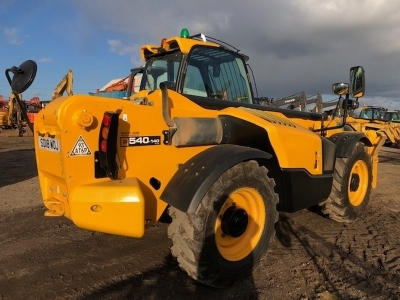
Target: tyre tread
[
  {"x": 185, "y": 229},
  {"x": 337, "y": 206}
]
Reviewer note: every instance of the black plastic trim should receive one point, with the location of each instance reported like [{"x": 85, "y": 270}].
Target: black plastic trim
[
  {"x": 328, "y": 155},
  {"x": 241, "y": 132},
  {"x": 99, "y": 172},
  {"x": 108, "y": 160},
  {"x": 218, "y": 104},
  {"x": 194, "y": 178},
  {"x": 303, "y": 190},
  {"x": 346, "y": 141}
]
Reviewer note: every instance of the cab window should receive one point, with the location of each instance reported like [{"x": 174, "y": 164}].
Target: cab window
[
  {"x": 194, "y": 83},
  {"x": 161, "y": 69}
]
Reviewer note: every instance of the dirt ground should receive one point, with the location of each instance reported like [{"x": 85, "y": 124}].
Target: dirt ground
[{"x": 311, "y": 257}]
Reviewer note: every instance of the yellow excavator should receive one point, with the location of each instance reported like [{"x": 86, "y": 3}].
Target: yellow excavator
[
  {"x": 65, "y": 85},
  {"x": 12, "y": 118}
]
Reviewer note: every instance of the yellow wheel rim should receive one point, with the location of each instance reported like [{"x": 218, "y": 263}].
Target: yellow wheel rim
[
  {"x": 237, "y": 248},
  {"x": 358, "y": 183}
]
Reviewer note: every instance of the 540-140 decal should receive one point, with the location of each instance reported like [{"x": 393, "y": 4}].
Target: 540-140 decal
[{"x": 147, "y": 140}]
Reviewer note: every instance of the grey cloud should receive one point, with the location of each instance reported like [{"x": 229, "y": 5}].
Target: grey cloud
[
  {"x": 45, "y": 59},
  {"x": 302, "y": 45},
  {"x": 120, "y": 48}
]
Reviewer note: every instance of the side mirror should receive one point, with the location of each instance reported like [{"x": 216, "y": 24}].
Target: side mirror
[
  {"x": 169, "y": 84},
  {"x": 340, "y": 88},
  {"x": 135, "y": 71},
  {"x": 357, "y": 81}
]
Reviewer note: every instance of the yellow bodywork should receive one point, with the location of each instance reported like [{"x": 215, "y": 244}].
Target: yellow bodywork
[
  {"x": 185, "y": 45},
  {"x": 126, "y": 206},
  {"x": 376, "y": 137},
  {"x": 286, "y": 137}
]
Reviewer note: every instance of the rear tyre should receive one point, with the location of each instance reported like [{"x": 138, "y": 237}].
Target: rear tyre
[
  {"x": 231, "y": 229},
  {"x": 351, "y": 186}
]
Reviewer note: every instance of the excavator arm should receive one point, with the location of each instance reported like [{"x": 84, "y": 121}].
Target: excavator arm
[
  {"x": 65, "y": 85},
  {"x": 293, "y": 101}
]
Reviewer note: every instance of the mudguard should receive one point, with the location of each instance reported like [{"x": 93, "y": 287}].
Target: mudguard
[
  {"x": 346, "y": 141},
  {"x": 194, "y": 178}
]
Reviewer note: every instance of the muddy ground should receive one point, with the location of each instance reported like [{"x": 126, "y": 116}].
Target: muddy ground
[{"x": 311, "y": 257}]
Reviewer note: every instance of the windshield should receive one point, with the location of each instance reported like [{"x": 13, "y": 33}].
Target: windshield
[
  {"x": 371, "y": 114},
  {"x": 392, "y": 116}
]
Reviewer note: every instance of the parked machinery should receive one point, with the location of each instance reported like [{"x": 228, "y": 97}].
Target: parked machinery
[
  {"x": 11, "y": 116},
  {"x": 392, "y": 116},
  {"x": 374, "y": 118}
]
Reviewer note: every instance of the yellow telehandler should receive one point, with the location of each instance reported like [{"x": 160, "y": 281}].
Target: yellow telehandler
[
  {"x": 194, "y": 143},
  {"x": 373, "y": 118}
]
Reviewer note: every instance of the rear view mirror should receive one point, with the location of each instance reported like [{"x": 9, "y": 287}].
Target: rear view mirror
[
  {"x": 357, "y": 81},
  {"x": 340, "y": 88}
]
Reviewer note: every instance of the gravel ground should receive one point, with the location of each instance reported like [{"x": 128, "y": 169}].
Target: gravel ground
[{"x": 311, "y": 257}]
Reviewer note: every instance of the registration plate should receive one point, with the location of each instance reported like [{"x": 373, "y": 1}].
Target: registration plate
[{"x": 49, "y": 144}]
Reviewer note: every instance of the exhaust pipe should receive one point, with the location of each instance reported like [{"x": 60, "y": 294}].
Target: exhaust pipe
[{"x": 165, "y": 105}]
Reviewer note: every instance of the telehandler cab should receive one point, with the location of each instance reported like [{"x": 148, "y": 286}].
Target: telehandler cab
[{"x": 193, "y": 142}]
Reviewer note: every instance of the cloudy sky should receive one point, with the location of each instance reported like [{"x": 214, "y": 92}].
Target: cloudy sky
[{"x": 293, "y": 45}]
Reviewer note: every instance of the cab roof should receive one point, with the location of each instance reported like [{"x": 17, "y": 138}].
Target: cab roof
[{"x": 181, "y": 44}]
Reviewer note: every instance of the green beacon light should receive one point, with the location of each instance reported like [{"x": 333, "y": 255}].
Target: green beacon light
[{"x": 184, "y": 33}]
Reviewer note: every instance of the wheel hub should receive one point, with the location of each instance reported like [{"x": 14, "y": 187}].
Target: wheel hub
[
  {"x": 234, "y": 221},
  {"x": 354, "y": 182}
]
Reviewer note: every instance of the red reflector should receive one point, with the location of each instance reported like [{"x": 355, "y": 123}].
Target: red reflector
[
  {"x": 106, "y": 120},
  {"x": 104, "y": 145}
]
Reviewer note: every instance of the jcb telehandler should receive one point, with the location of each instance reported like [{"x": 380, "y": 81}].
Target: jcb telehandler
[{"x": 194, "y": 143}]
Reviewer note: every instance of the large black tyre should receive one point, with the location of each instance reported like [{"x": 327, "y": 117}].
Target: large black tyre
[
  {"x": 351, "y": 186},
  {"x": 231, "y": 229}
]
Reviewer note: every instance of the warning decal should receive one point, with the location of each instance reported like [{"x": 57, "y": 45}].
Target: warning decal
[{"x": 80, "y": 148}]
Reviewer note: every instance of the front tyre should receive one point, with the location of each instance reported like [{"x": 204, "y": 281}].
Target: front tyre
[
  {"x": 351, "y": 186},
  {"x": 231, "y": 229}
]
